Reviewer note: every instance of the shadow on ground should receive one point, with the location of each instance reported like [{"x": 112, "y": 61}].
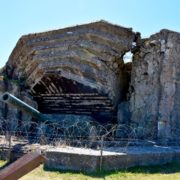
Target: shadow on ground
[
  {"x": 168, "y": 168},
  {"x": 4, "y": 165}
]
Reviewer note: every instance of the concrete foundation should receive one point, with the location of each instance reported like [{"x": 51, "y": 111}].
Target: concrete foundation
[
  {"x": 88, "y": 160},
  {"x": 79, "y": 159}
]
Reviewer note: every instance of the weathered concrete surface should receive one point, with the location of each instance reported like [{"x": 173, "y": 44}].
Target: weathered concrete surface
[
  {"x": 85, "y": 159},
  {"x": 71, "y": 161},
  {"x": 123, "y": 120},
  {"x": 76, "y": 70},
  {"x": 155, "y": 87},
  {"x": 113, "y": 158},
  {"x": 80, "y": 70}
]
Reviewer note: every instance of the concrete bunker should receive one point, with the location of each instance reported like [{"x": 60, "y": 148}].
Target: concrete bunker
[
  {"x": 77, "y": 70},
  {"x": 81, "y": 73},
  {"x": 81, "y": 70}
]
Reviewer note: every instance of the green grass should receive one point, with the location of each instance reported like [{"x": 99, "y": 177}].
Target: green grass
[
  {"x": 3, "y": 164},
  {"x": 170, "y": 171}
]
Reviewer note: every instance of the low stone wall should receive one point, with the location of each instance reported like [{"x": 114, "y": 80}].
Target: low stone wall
[
  {"x": 119, "y": 158},
  {"x": 89, "y": 160}
]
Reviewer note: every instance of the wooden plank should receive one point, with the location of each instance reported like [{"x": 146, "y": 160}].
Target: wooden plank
[
  {"x": 22, "y": 166},
  {"x": 69, "y": 94},
  {"x": 80, "y": 102},
  {"x": 73, "y": 98}
]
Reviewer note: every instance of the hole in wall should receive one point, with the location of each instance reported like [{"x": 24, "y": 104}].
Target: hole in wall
[
  {"x": 127, "y": 57},
  {"x": 145, "y": 73}
]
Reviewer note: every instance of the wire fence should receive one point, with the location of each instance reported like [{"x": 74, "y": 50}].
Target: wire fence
[{"x": 27, "y": 136}]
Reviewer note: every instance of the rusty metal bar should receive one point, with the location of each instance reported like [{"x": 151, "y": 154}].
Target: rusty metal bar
[{"x": 22, "y": 166}]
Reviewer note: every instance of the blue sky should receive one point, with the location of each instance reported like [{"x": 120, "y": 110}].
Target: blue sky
[{"x": 18, "y": 17}]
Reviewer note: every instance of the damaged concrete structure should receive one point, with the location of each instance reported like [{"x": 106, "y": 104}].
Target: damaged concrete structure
[
  {"x": 77, "y": 70},
  {"x": 80, "y": 70},
  {"x": 155, "y": 86}
]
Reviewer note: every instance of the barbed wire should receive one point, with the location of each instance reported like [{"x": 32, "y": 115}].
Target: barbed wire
[{"x": 27, "y": 136}]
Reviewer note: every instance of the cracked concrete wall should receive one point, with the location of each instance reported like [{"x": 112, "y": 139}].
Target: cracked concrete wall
[{"x": 155, "y": 87}]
